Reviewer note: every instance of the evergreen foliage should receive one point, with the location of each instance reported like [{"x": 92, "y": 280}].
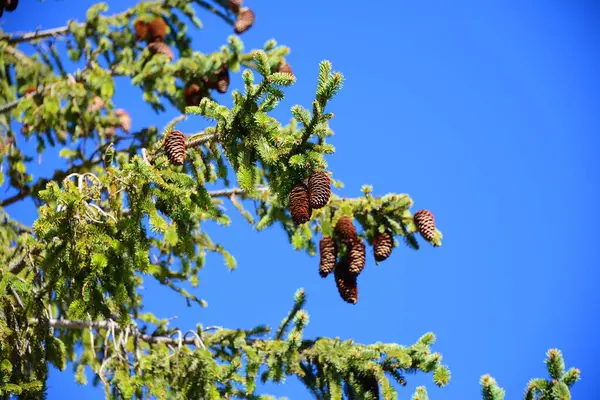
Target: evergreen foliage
[{"x": 125, "y": 207}]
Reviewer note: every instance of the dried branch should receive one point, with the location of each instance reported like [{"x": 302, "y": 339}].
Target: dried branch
[
  {"x": 68, "y": 324},
  {"x": 29, "y": 36}
]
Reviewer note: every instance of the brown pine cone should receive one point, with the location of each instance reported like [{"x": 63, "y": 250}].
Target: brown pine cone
[
  {"x": 235, "y": 5},
  {"x": 328, "y": 251},
  {"x": 141, "y": 30},
  {"x": 124, "y": 119},
  {"x": 175, "y": 147},
  {"x": 346, "y": 282},
  {"x": 157, "y": 29},
  {"x": 425, "y": 224},
  {"x": 285, "y": 68},
  {"x": 11, "y": 5},
  {"x": 223, "y": 79},
  {"x": 345, "y": 230},
  {"x": 161, "y": 48},
  {"x": 383, "y": 243},
  {"x": 193, "y": 95},
  {"x": 244, "y": 21},
  {"x": 357, "y": 257},
  {"x": 299, "y": 204},
  {"x": 319, "y": 187}
]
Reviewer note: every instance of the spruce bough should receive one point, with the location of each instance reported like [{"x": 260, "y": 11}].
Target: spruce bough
[{"x": 128, "y": 206}]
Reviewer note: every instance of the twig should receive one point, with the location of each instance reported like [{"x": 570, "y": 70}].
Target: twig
[
  {"x": 201, "y": 140},
  {"x": 13, "y": 199},
  {"x": 218, "y": 13}
]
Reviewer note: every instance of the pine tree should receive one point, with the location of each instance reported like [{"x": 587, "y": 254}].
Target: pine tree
[{"x": 129, "y": 204}]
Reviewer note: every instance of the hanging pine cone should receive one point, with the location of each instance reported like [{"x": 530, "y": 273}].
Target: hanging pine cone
[
  {"x": 161, "y": 48},
  {"x": 124, "y": 119},
  {"x": 175, "y": 147},
  {"x": 223, "y": 79},
  {"x": 299, "y": 205},
  {"x": 319, "y": 187},
  {"x": 357, "y": 257},
  {"x": 328, "y": 252},
  {"x": 157, "y": 29},
  {"x": 285, "y": 68},
  {"x": 346, "y": 282},
  {"x": 383, "y": 243},
  {"x": 235, "y": 5},
  {"x": 11, "y": 5},
  {"x": 425, "y": 224},
  {"x": 141, "y": 30},
  {"x": 244, "y": 20},
  {"x": 193, "y": 95},
  {"x": 345, "y": 230}
]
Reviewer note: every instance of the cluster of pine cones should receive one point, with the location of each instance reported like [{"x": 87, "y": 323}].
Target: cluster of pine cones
[
  {"x": 348, "y": 267},
  {"x": 196, "y": 91},
  {"x": 303, "y": 199},
  {"x": 8, "y": 5},
  {"x": 154, "y": 33}
]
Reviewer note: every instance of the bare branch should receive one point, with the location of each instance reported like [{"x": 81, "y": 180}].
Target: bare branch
[
  {"x": 29, "y": 36},
  {"x": 13, "y": 199},
  {"x": 69, "y": 324}
]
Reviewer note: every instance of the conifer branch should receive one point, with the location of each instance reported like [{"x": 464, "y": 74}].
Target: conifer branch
[{"x": 213, "y": 10}]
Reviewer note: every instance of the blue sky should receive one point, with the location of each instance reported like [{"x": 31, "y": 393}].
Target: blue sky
[{"x": 486, "y": 113}]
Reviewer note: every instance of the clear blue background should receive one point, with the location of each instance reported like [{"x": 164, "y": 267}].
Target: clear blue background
[{"x": 487, "y": 113}]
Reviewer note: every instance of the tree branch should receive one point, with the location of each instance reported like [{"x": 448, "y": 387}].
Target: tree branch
[
  {"x": 26, "y": 37},
  {"x": 13, "y": 199},
  {"x": 68, "y": 324},
  {"x": 201, "y": 140},
  {"x": 218, "y": 13}
]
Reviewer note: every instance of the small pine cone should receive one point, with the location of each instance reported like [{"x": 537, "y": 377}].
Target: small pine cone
[
  {"x": 124, "y": 119},
  {"x": 285, "y": 68},
  {"x": 157, "y": 29},
  {"x": 193, "y": 95},
  {"x": 383, "y": 243},
  {"x": 345, "y": 230},
  {"x": 222, "y": 80},
  {"x": 346, "y": 282},
  {"x": 319, "y": 187},
  {"x": 357, "y": 257},
  {"x": 299, "y": 204},
  {"x": 244, "y": 21},
  {"x": 11, "y": 5},
  {"x": 235, "y": 5},
  {"x": 141, "y": 30},
  {"x": 425, "y": 224},
  {"x": 161, "y": 48},
  {"x": 175, "y": 147},
  {"x": 328, "y": 251}
]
